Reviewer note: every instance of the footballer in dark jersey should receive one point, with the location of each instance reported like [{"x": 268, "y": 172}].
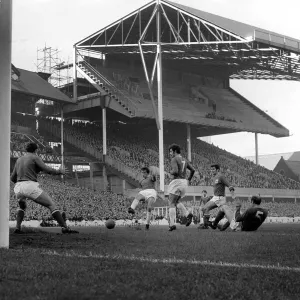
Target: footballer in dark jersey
[
  {"x": 25, "y": 178},
  {"x": 252, "y": 218},
  {"x": 178, "y": 186},
  {"x": 218, "y": 199},
  {"x": 147, "y": 193}
]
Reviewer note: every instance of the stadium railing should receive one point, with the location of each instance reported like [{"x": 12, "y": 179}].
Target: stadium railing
[
  {"x": 44, "y": 156},
  {"x": 93, "y": 152},
  {"x": 83, "y": 65}
]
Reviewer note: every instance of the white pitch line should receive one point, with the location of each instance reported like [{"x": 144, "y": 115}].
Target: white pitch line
[{"x": 176, "y": 261}]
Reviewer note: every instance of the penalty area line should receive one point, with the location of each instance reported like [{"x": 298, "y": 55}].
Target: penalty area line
[{"x": 174, "y": 261}]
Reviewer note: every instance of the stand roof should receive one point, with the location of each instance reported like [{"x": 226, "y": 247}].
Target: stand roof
[
  {"x": 31, "y": 83},
  {"x": 249, "y": 52}
]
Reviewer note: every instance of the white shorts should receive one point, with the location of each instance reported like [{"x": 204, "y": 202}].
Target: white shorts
[
  {"x": 149, "y": 193},
  {"x": 27, "y": 189},
  {"x": 218, "y": 200},
  {"x": 178, "y": 187}
]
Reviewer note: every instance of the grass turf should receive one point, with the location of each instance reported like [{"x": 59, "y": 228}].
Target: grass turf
[{"x": 108, "y": 264}]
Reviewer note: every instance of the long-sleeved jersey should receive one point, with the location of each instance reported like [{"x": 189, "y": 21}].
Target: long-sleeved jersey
[
  {"x": 179, "y": 165},
  {"x": 252, "y": 218},
  {"x": 27, "y": 168},
  {"x": 220, "y": 184},
  {"x": 148, "y": 182}
]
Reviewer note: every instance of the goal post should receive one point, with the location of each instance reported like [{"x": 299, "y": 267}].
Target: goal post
[{"x": 5, "y": 115}]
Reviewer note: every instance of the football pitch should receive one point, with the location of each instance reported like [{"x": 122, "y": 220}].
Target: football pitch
[{"x": 131, "y": 263}]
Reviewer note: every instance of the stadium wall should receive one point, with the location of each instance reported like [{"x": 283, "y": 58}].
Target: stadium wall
[
  {"x": 194, "y": 192},
  {"x": 129, "y": 223}
]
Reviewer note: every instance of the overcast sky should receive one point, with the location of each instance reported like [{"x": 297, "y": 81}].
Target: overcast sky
[{"x": 61, "y": 23}]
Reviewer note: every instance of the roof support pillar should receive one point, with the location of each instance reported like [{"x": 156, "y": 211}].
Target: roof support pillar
[
  {"x": 189, "y": 142},
  {"x": 104, "y": 131},
  {"x": 256, "y": 148},
  {"x": 104, "y": 104},
  {"x": 75, "y": 73},
  {"x": 62, "y": 138},
  {"x": 160, "y": 99},
  {"x": 5, "y": 112}
]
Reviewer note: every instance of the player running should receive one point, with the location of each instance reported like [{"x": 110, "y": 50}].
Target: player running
[
  {"x": 218, "y": 200},
  {"x": 203, "y": 200},
  {"x": 252, "y": 218},
  {"x": 24, "y": 176},
  {"x": 148, "y": 194},
  {"x": 178, "y": 186}
]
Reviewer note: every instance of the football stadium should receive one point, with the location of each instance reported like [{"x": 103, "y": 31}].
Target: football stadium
[{"x": 156, "y": 77}]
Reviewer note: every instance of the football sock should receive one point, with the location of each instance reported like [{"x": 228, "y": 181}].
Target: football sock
[
  {"x": 225, "y": 226},
  {"x": 201, "y": 217},
  {"x": 183, "y": 210},
  {"x": 134, "y": 204},
  {"x": 218, "y": 218},
  {"x": 148, "y": 217},
  {"x": 172, "y": 214},
  {"x": 58, "y": 217},
  {"x": 206, "y": 220},
  {"x": 20, "y": 217}
]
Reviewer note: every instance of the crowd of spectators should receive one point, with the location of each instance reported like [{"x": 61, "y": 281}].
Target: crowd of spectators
[
  {"x": 18, "y": 142},
  {"x": 79, "y": 204},
  {"x": 134, "y": 151},
  {"x": 19, "y": 139},
  {"x": 138, "y": 151}
]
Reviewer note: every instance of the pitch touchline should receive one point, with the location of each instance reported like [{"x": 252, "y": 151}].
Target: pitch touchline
[{"x": 176, "y": 261}]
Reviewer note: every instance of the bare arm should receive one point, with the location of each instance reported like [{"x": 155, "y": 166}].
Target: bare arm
[
  {"x": 43, "y": 167},
  {"x": 192, "y": 170}
]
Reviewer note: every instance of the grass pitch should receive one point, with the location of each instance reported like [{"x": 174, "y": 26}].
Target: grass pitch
[{"x": 125, "y": 263}]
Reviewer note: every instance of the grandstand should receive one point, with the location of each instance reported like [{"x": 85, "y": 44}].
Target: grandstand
[
  {"x": 197, "y": 66},
  {"x": 197, "y": 101},
  {"x": 120, "y": 120}
]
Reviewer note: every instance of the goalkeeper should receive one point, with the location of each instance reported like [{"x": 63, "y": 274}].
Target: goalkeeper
[{"x": 251, "y": 219}]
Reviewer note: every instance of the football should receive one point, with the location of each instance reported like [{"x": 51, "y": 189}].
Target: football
[{"x": 110, "y": 224}]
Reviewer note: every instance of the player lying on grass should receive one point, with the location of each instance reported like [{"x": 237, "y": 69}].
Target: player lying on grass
[
  {"x": 148, "y": 194},
  {"x": 24, "y": 176},
  {"x": 218, "y": 200},
  {"x": 252, "y": 218},
  {"x": 178, "y": 186}
]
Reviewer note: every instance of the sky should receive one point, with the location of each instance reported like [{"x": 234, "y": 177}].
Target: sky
[{"x": 61, "y": 23}]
